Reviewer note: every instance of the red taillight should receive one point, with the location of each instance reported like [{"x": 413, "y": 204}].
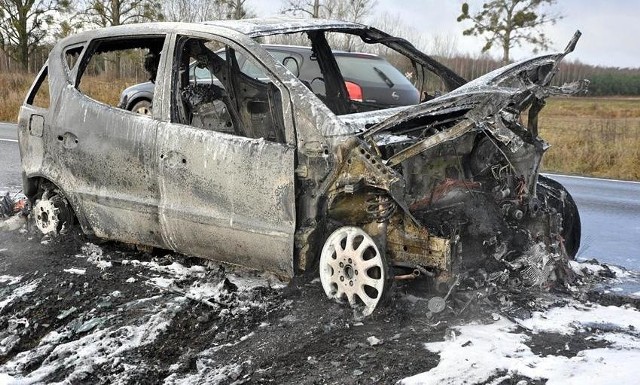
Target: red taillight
[{"x": 354, "y": 91}]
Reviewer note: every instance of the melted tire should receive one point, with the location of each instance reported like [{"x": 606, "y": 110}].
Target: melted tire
[{"x": 554, "y": 192}]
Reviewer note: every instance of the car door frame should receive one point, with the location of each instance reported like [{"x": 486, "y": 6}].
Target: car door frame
[
  {"x": 127, "y": 210},
  {"x": 199, "y": 212}
]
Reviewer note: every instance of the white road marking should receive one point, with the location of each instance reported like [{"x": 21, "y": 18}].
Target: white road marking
[
  {"x": 9, "y": 140},
  {"x": 590, "y": 177}
]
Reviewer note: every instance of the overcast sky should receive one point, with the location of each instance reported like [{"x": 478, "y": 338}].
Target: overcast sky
[{"x": 610, "y": 28}]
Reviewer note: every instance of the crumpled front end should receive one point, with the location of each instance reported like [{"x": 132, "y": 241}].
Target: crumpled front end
[{"x": 450, "y": 189}]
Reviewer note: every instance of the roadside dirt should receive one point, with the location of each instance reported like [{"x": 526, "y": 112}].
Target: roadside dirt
[{"x": 101, "y": 313}]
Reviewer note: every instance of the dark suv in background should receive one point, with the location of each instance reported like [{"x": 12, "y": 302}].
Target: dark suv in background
[{"x": 369, "y": 78}]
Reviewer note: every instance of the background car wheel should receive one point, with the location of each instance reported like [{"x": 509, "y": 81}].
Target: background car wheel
[
  {"x": 353, "y": 269},
  {"x": 558, "y": 196},
  {"x": 143, "y": 107}
]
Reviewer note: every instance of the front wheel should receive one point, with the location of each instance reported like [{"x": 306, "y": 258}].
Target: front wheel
[{"x": 352, "y": 268}]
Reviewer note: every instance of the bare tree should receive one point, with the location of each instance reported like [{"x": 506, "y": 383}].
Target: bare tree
[
  {"x": 444, "y": 46},
  {"x": 201, "y": 10},
  {"x": 309, "y": 8},
  {"x": 67, "y": 24},
  {"x": 190, "y": 11},
  {"x": 392, "y": 24},
  {"x": 104, "y": 13},
  {"x": 234, "y": 9},
  {"x": 24, "y": 24},
  {"x": 350, "y": 10},
  {"x": 509, "y": 23}
]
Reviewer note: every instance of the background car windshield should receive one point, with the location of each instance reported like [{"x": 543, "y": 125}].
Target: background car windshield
[
  {"x": 249, "y": 68},
  {"x": 202, "y": 73}
]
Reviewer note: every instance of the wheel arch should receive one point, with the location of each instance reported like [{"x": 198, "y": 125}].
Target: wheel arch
[{"x": 35, "y": 185}]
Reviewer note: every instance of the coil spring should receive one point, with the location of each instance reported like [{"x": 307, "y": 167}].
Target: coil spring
[{"x": 381, "y": 207}]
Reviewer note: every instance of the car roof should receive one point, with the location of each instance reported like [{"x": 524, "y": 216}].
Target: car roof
[
  {"x": 251, "y": 27},
  {"x": 277, "y": 25}
]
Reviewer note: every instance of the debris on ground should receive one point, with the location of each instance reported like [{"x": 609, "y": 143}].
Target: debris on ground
[
  {"x": 154, "y": 316},
  {"x": 13, "y": 211}
]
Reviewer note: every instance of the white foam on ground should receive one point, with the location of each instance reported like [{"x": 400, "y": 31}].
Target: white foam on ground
[
  {"x": 74, "y": 270},
  {"x": 176, "y": 269},
  {"x": 93, "y": 254},
  {"x": 577, "y": 317},
  {"x": 588, "y": 268},
  {"x": 98, "y": 348},
  {"x": 481, "y": 352},
  {"x": 9, "y": 279},
  {"x": 19, "y": 292},
  {"x": 208, "y": 374}
]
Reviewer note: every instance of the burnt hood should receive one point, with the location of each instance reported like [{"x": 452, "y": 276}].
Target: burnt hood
[{"x": 514, "y": 87}]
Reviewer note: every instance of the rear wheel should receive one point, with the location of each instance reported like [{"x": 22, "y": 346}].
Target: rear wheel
[
  {"x": 53, "y": 213},
  {"x": 352, "y": 268}
]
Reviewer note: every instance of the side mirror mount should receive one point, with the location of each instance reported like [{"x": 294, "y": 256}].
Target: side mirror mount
[{"x": 292, "y": 65}]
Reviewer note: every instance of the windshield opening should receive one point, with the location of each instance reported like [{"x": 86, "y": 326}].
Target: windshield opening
[{"x": 354, "y": 73}]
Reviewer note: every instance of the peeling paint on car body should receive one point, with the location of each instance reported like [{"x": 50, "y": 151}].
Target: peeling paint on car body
[{"x": 442, "y": 187}]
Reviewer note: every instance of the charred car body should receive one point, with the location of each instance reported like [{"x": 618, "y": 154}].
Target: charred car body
[{"x": 266, "y": 174}]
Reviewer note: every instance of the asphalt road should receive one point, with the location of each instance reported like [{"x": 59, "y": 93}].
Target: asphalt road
[
  {"x": 9, "y": 156},
  {"x": 610, "y": 216},
  {"x": 609, "y": 209}
]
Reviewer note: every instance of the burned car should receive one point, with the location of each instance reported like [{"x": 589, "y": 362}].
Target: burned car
[{"x": 262, "y": 172}]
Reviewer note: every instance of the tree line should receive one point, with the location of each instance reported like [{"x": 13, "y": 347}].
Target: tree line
[
  {"x": 604, "y": 81},
  {"x": 28, "y": 29}
]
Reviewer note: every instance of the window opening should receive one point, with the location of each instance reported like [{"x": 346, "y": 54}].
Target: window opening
[
  {"x": 213, "y": 93},
  {"x": 121, "y": 72},
  {"x": 71, "y": 57},
  {"x": 39, "y": 96}
]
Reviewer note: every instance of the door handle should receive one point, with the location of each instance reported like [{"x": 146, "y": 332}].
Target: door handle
[
  {"x": 68, "y": 140},
  {"x": 174, "y": 159}
]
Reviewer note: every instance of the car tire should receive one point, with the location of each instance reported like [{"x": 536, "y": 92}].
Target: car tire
[
  {"x": 142, "y": 107},
  {"x": 571, "y": 226}
]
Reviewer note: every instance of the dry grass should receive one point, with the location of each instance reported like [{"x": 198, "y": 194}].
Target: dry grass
[
  {"x": 588, "y": 136},
  {"x": 14, "y": 88},
  {"x": 104, "y": 89},
  {"x": 592, "y": 136}
]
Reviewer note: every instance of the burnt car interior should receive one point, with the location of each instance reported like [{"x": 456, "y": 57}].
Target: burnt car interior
[{"x": 230, "y": 101}]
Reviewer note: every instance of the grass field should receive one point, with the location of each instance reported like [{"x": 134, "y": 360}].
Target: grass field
[
  {"x": 13, "y": 89},
  {"x": 588, "y": 136},
  {"x": 592, "y": 136}
]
